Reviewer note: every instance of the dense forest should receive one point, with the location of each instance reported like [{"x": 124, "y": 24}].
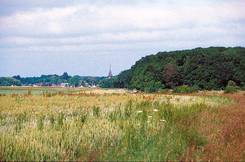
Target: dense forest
[
  {"x": 48, "y": 80},
  {"x": 200, "y": 68}
]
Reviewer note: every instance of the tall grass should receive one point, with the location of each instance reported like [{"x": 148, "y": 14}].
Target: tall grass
[{"x": 101, "y": 127}]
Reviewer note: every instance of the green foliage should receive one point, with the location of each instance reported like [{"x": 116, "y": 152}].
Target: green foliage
[
  {"x": 231, "y": 83},
  {"x": 206, "y": 68},
  {"x": 74, "y": 81},
  {"x": 164, "y": 136},
  {"x": 152, "y": 86},
  {"x": 65, "y": 76},
  {"x": 9, "y": 81},
  {"x": 171, "y": 75},
  {"x": 108, "y": 83},
  {"x": 231, "y": 87},
  {"x": 48, "y": 80},
  {"x": 83, "y": 118},
  {"x": 185, "y": 89}
]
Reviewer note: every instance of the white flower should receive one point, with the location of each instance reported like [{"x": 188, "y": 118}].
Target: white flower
[
  {"x": 139, "y": 111},
  {"x": 155, "y": 110},
  {"x": 162, "y": 120},
  {"x": 149, "y": 116}
]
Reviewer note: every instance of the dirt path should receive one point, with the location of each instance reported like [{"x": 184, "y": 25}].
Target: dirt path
[{"x": 225, "y": 130}]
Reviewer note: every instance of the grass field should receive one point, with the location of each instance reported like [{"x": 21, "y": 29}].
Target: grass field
[{"x": 85, "y": 124}]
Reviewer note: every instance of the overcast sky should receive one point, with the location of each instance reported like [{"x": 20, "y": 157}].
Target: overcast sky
[{"x": 85, "y": 37}]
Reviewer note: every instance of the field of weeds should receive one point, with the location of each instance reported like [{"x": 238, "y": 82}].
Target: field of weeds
[{"x": 83, "y": 124}]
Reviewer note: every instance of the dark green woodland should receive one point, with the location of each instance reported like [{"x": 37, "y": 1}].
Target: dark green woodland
[{"x": 199, "y": 68}]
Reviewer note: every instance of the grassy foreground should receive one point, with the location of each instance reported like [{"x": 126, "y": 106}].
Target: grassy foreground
[{"x": 97, "y": 126}]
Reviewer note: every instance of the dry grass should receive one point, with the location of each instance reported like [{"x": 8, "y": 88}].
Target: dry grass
[
  {"x": 106, "y": 125},
  {"x": 225, "y": 132},
  {"x": 229, "y": 141}
]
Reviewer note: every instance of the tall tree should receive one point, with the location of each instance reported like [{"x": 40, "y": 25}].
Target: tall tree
[{"x": 171, "y": 75}]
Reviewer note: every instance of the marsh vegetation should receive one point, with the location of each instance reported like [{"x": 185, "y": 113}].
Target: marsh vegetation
[{"x": 97, "y": 125}]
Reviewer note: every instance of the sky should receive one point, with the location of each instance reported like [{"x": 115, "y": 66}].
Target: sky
[{"x": 85, "y": 37}]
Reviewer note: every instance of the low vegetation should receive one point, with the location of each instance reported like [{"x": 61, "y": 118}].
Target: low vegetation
[
  {"x": 185, "y": 89},
  {"x": 97, "y": 125},
  {"x": 231, "y": 87},
  {"x": 49, "y": 80}
]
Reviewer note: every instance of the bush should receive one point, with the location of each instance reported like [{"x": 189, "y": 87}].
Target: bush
[
  {"x": 231, "y": 83},
  {"x": 185, "y": 89},
  {"x": 153, "y": 86},
  {"x": 231, "y": 87}
]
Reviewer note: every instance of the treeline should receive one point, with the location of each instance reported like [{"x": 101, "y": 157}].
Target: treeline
[
  {"x": 49, "y": 80},
  {"x": 200, "y": 68}
]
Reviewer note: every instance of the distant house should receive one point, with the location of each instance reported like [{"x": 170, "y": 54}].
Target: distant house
[
  {"x": 86, "y": 84},
  {"x": 93, "y": 86},
  {"x": 64, "y": 84}
]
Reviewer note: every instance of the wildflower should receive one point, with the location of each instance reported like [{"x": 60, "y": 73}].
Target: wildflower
[
  {"x": 162, "y": 120},
  {"x": 139, "y": 111},
  {"x": 155, "y": 110},
  {"x": 149, "y": 116},
  {"x": 148, "y": 121}
]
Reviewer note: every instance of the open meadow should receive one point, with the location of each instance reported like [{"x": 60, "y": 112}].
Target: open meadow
[{"x": 97, "y": 124}]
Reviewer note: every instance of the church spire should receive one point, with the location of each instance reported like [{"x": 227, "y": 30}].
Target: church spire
[{"x": 110, "y": 73}]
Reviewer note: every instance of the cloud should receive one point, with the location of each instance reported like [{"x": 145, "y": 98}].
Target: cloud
[{"x": 125, "y": 26}]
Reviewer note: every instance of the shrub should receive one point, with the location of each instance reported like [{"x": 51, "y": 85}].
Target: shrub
[
  {"x": 231, "y": 87},
  {"x": 185, "y": 89},
  {"x": 153, "y": 86},
  {"x": 231, "y": 83}
]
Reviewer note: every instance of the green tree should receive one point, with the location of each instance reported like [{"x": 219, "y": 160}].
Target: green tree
[
  {"x": 205, "y": 68},
  {"x": 171, "y": 75},
  {"x": 65, "y": 76},
  {"x": 75, "y": 81},
  {"x": 8, "y": 81}
]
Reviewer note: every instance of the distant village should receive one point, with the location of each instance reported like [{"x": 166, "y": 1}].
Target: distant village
[
  {"x": 55, "y": 80},
  {"x": 93, "y": 82},
  {"x": 64, "y": 85}
]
